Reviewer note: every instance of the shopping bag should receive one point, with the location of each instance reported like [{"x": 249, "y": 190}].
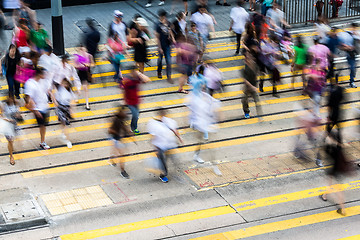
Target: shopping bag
[{"x": 155, "y": 166}]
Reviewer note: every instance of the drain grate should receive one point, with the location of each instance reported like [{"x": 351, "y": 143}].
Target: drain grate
[{"x": 81, "y": 24}]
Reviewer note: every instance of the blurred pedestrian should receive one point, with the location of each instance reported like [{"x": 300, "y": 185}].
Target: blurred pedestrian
[
  {"x": 131, "y": 95},
  {"x": 276, "y": 17},
  {"x": 67, "y": 71},
  {"x": 186, "y": 55},
  {"x": 180, "y": 28},
  {"x": 36, "y": 99},
  {"x": 83, "y": 61},
  {"x": 333, "y": 43},
  {"x": 64, "y": 101},
  {"x": 117, "y": 130},
  {"x": 21, "y": 37},
  {"x": 10, "y": 112},
  {"x": 164, "y": 138},
  {"x": 250, "y": 89},
  {"x": 239, "y": 18},
  {"x": 341, "y": 168},
  {"x": 266, "y": 5},
  {"x": 349, "y": 41},
  {"x": 335, "y": 98},
  {"x": 204, "y": 23},
  {"x": 118, "y": 26},
  {"x": 8, "y": 64},
  {"x": 213, "y": 78},
  {"x": 299, "y": 62},
  {"x": 194, "y": 37},
  {"x": 322, "y": 29},
  {"x": 91, "y": 38},
  {"x": 10, "y": 5},
  {"x": 203, "y": 117},
  {"x": 165, "y": 39},
  {"x": 39, "y": 38},
  {"x": 138, "y": 37},
  {"x": 116, "y": 54},
  {"x": 320, "y": 52}
]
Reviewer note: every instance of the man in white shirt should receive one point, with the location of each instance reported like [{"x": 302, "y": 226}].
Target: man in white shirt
[
  {"x": 36, "y": 98},
  {"x": 164, "y": 137},
  {"x": 51, "y": 63},
  {"x": 204, "y": 23},
  {"x": 276, "y": 17},
  {"x": 239, "y": 17},
  {"x": 119, "y": 27}
]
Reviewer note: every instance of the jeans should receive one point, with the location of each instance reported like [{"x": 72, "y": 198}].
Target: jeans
[
  {"x": 352, "y": 65},
  {"x": 316, "y": 97},
  {"x": 245, "y": 101},
  {"x": 167, "y": 54},
  {"x": 135, "y": 116},
  {"x": 264, "y": 9},
  {"x": 116, "y": 66},
  {"x": 162, "y": 157},
  {"x": 14, "y": 86}
]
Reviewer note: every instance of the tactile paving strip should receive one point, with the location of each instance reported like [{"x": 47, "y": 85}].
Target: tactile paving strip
[
  {"x": 76, "y": 200},
  {"x": 233, "y": 172}
]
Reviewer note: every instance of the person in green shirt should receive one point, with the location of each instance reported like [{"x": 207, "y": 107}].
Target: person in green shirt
[
  {"x": 299, "y": 62},
  {"x": 266, "y": 5},
  {"x": 39, "y": 37}
]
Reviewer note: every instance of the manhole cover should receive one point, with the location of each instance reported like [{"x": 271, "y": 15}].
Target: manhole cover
[
  {"x": 20, "y": 211},
  {"x": 83, "y": 26}
]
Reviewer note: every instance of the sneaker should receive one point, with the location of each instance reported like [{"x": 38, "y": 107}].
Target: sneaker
[
  {"x": 136, "y": 132},
  {"x": 164, "y": 179},
  {"x": 227, "y": 4},
  {"x": 217, "y": 171},
  {"x": 159, "y": 76},
  {"x": 161, "y": 3},
  {"x": 44, "y": 146},
  {"x": 69, "y": 144},
  {"x": 148, "y": 5},
  {"x": 247, "y": 115},
  {"x": 319, "y": 163},
  {"x": 198, "y": 159},
  {"x": 124, "y": 174},
  {"x": 352, "y": 85},
  {"x": 218, "y": 3}
]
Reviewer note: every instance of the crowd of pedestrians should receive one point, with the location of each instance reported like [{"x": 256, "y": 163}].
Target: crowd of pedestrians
[{"x": 263, "y": 38}]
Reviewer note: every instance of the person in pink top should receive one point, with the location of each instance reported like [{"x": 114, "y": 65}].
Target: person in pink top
[{"x": 321, "y": 52}]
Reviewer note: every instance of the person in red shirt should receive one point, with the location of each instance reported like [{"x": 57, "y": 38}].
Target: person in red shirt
[
  {"x": 131, "y": 96},
  {"x": 22, "y": 34}
]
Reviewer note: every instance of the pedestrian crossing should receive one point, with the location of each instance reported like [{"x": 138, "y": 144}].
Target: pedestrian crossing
[{"x": 90, "y": 146}]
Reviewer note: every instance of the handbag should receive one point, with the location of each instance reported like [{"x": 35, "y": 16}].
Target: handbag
[{"x": 23, "y": 74}]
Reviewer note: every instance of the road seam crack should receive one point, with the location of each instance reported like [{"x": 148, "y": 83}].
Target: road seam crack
[{"x": 230, "y": 205}]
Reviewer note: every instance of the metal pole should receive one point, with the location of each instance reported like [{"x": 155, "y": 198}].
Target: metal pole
[{"x": 57, "y": 27}]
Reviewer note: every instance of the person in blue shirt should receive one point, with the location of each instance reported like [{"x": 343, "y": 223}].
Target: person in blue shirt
[{"x": 333, "y": 43}]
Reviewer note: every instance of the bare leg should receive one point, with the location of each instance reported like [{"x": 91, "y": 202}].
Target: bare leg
[
  {"x": 182, "y": 81},
  {"x": 122, "y": 162},
  {"x": 86, "y": 93},
  {"x": 141, "y": 67},
  {"x": 11, "y": 150},
  {"x": 42, "y": 133}
]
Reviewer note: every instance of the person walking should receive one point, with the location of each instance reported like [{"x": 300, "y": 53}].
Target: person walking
[
  {"x": 116, "y": 53},
  {"x": 320, "y": 52},
  {"x": 83, "y": 61},
  {"x": 194, "y": 37},
  {"x": 91, "y": 38},
  {"x": 10, "y": 113},
  {"x": 131, "y": 95},
  {"x": 138, "y": 37},
  {"x": 204, "y": 23},
  {"x": 349, "y": 40},
  {"x": 117, "y": 130},
  {"x": 164, "y": 138},
  {"x": 203, "y": 114},
  {"x": 165, "y": 39},
  {"x": 36, "y": 99},
  {"x": 180, "y": 28},
  {"x": 64, "y": 100},
  {"x": 9, "y": 63},
  {"x": 333, "y": 43},
  {"x": 299, "y": 62},
  {"x": 119, "y": 27},
  {"x": 239, "y": 18},
  {"x": 266, "y": 5},
  {"x": 250, "y": 85}
]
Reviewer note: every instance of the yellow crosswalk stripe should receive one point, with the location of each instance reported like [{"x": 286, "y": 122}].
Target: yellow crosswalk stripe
[
  {"x": 174, "y": 102},
  {"x": 281, "y": 225},
  {"x": 355, "y": 237},
  {"x": 207, "y": 213},
  {"x": 227, "y": 143}
]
